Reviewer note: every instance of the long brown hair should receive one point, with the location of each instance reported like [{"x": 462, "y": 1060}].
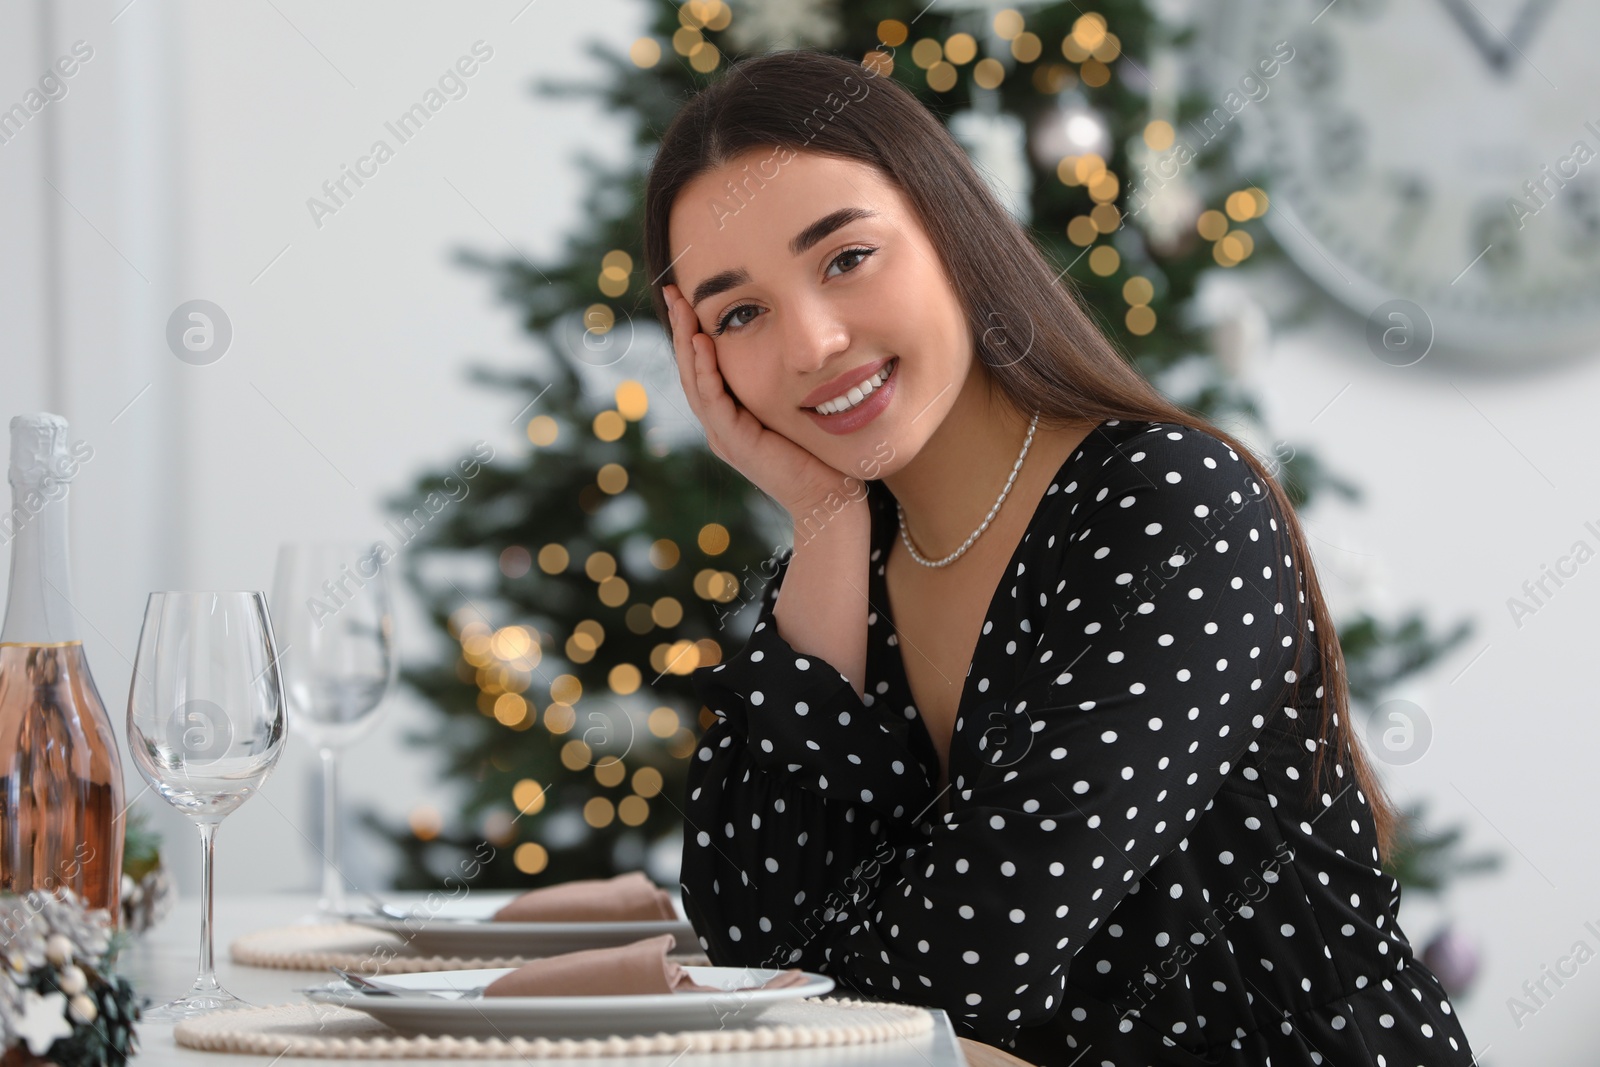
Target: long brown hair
[{"x": 1068, "y": 370}]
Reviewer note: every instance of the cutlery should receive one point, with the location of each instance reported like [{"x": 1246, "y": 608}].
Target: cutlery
[{"x": 372, "y": 988}]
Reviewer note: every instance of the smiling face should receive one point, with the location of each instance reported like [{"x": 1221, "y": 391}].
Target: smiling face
[{"x": 822, "y": 277}]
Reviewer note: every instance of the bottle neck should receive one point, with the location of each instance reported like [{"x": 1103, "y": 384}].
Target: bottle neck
[{"x": 39, "y": 598}]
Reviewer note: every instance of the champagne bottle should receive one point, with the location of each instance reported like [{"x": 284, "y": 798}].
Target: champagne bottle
[{"x": 61, "y": 795}]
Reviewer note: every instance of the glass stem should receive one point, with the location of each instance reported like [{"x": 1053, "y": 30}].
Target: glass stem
[
  {"x": 207, "y": 980},
  {"x": 332, "y": 880}
]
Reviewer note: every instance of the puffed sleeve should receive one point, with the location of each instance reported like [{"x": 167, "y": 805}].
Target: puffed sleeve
[
  {"x": 1163, "y": 638},
  {"x": 789, "y": 797}
]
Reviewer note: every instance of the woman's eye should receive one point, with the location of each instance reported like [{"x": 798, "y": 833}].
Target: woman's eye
[
  {"x": 853, "y": 253},
  {"x": 857, "y": 254},
  {"x": 722, "y": 324}
]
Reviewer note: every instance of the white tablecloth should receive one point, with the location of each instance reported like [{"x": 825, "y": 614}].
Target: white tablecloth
[{"x": 161, "y": 965}]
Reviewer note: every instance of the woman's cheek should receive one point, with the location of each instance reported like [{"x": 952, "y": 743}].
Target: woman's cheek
[
  {"x": 750, "y": 391},
  {"x": 734, "y": 380},
  {"x": 757, "y": 386}
]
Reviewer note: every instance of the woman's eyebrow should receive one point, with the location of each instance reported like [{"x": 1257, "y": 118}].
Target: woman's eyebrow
[{"x": 724, "y": 280}]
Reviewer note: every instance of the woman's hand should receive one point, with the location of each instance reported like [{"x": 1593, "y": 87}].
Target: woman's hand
[{"x": 788, "y": 473}]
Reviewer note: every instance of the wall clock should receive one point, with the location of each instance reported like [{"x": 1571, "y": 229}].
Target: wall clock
[{"x": 1442, "y": 152}]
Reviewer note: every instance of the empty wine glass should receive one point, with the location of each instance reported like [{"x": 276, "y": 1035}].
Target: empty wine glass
[
  {"x": 332, "y": 606},
  {"x": 206, "y": 725}
]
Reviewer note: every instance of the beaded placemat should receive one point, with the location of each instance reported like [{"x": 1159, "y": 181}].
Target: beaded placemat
[
  {"x": 316, "y": 947},
  {"x": 342, "y": 1033}
]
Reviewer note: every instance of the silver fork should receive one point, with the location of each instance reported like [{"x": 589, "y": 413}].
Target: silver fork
[{"x": 366, "y": 985}]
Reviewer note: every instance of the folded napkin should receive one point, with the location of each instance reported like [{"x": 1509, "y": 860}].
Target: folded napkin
[
  {"x": 636, "y": 968},
  {"x": 630, "y": 897}
]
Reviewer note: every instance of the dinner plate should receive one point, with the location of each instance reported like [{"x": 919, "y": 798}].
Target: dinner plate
[
  {"x": 466, "y": 927},
  {"x": 587, "y": 1016}
]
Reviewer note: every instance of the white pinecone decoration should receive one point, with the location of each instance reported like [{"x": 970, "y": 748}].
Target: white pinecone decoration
[{"x": 147, "y": 901}]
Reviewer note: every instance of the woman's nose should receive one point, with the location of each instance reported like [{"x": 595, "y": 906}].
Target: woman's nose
[{"x": 814, "y": 337}]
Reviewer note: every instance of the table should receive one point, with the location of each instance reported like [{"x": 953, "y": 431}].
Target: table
[{"x": 161, "y": 965}]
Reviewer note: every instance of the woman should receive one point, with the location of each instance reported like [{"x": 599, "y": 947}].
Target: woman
[{"x": 1047, "y": 728}]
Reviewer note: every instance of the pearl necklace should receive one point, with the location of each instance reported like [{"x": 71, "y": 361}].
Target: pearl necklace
[{"x": 905, "y": 536}]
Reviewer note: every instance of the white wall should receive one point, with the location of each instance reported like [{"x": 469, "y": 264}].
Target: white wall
[
  {"x": 1472, "y": 484},
  {"x": 190, "y": 143},
  {"x": 184, "y": 154}
]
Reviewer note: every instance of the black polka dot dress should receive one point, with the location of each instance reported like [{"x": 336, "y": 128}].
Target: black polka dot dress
[{"x": 1130, "y": 864}]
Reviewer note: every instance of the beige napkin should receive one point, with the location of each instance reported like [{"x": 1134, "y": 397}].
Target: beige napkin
[
  {"x": 636, "y": 968},
  {"x": 630, "y": 897}
]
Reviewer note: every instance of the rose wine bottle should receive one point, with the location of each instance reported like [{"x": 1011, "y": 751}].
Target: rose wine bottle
[{"x": 61, "y": 792}]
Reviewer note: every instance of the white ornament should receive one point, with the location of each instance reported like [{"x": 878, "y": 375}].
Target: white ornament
[
  {"x": 1071, "y": 128},
  {"x": 1237, "y": 324},
  {"x": 996, "y": 143},
  {"x": 1161, "y": 201},
  {"x": 1239, "y": 338},
  {"x": 72, "y": 980},
  {"x": 83, "y": 1008},
  {"x": 44, "y": 1019},
  {"x": 58, "y": 950},
  {"x": 759, "y": 25}
]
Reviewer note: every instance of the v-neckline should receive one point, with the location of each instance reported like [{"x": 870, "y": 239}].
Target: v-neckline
[{"x": 885, "y": 530}]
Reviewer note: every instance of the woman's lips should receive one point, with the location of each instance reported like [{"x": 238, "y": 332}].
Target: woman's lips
[{"x": 870, "y": 408}]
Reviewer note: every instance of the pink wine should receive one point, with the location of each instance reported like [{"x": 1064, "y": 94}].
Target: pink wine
[{"x": 61, "y": 797}]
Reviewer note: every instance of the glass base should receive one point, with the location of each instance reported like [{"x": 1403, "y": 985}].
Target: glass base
[{"x": 195, "y": 1002}]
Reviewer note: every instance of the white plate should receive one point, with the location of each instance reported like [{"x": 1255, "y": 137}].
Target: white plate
[
  {"x": 465, "y": 927},
  {"x": 590, "y": 1016}
]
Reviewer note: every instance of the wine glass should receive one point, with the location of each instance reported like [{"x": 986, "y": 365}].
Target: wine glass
[
  {"x": 206, "y": 726},
  {"x": 332, "y": 603}
]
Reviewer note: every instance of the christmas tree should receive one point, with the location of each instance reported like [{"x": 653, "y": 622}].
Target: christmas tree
[{"x": 623, "y": 554}]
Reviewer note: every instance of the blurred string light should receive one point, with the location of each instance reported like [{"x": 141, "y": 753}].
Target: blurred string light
[
  {"x": 632, "y": 401},
  {"x": 599, "y": 319},
  {"x": 1231, "y": 245},
  {"x": 612, "y": 478},
  {"x": 559, "y": 718},
  {"x": 615, "y": 269},
  {"x": 689, "y": 40},
  {"x": 665, "y": 612},
  {"x": 610, "y": 587},
  {"x": 633, "y": 810},
  {"x": 531, "y": 857},
  {"x": 575, "y": 754},
  {"x": 632, "y": 404},
  {"x": 426, "y": 822},
  {"x": 543, "y": 430},
  {"x": 1093, "y": 47},
  {"x": 664, "y": 554},
  {"x": 713, "y": 539},
  {"x": 566, "y": 689},
  {"x": 1138, "y": 292},
  {"x": 500, "y": 660},
  {"x": 510, "y": 709},
  {"x": 624, "y": 679},
  {"x": 663, "y": 721},
  {"x": 684, "y": 656},
  {"x": 610, "y": 771},
  {"x": 647, "y": 782},
  {"x": 598, "y": 812},
  {"x": 587, "y": 637},
  {"x": 528, "y": 796}
]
